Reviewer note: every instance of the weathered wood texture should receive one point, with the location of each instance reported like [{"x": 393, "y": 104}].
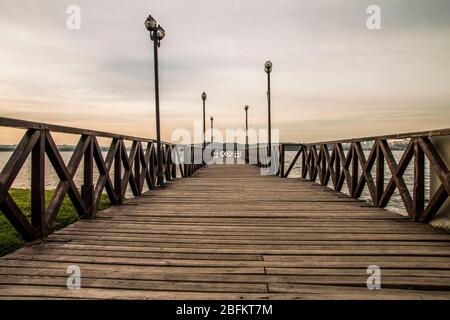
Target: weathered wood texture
[
  {"x": 328, "y": 162},
  {"x": 230, "y": 233},
  {"x": 131, "y": 168}
]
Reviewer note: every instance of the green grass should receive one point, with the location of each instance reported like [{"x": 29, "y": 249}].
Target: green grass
[{"x": 10, "y": 239}]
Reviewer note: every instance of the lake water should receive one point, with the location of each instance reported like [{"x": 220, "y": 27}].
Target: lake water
[
  {"x": 51, "y": 181},
  {"x": 23, "y": 179}
]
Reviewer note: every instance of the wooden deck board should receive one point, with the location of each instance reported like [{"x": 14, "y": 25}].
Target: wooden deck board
[{"x": 229, "y": 233}]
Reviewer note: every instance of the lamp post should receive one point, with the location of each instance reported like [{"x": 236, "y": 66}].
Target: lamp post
[
  {"x": 268, "y": 69},
  {"x": 212, "y": 129},
  {"x": 204, "y": 96},
  {"x": 246, "y": 134},
  {"x": 157, "y": 33}
]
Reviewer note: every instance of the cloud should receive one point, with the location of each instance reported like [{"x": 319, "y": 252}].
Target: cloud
[{"x": 327, "y": 66}]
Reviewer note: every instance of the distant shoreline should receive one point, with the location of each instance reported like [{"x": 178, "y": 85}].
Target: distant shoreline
[
  {"x": 64, "y": 148},
  {"x": 71, "y": 148}
]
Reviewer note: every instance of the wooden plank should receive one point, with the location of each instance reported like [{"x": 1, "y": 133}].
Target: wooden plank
[
  {"x": 354, "y": 276},
  {"x": 133, "y": 268},
  {"x": 121, "y": 294},
  {"x": 287, "y": 293},
  {"x": 340, "y": 292},
  {"x": 145, "y": 238},
  {"x": 232, "y": 253},
  {"x": 295, "y": 237},
  {"x": 137, "y": 284}
]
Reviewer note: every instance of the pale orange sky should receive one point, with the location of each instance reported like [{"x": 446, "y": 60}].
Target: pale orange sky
[{"x": 332, "y": 77}]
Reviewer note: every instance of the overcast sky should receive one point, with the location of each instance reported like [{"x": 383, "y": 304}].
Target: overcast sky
[{"x": 332, "y": 77}]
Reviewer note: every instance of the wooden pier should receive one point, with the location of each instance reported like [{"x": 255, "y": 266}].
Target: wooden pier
[{"x": 230, "y": 233}]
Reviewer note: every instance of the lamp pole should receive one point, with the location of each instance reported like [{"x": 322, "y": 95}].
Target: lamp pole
[
  {"x": 204, "y": 96},
  {"x": 157, "y": 33},
  {"x": 246, "y": 134},
  {"x": 212, "y": 129},
  {"x": 268, "y": 69}
]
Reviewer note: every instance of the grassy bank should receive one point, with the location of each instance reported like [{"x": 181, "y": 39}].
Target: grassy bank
[{"x": 11, "y": 240}]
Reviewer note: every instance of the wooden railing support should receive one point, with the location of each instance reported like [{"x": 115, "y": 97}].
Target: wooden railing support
[
  {"x": 355, "y": 169},
  {"x": 87, "y": 189},
  {"x": 130, "y": 169},
  {"x": 38, "y": 214}
]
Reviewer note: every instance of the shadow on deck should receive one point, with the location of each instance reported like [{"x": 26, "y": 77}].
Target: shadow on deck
[{"x": 229, "y": 233}]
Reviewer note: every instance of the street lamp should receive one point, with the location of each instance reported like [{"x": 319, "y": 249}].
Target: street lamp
[
  {"x": 246, "y": 134},
  {"x": 212, "y": 129},
  {"x": 157, "y": 33},
  {"x": 268, "y": 69},
  {"x": 204, "y": 96}
]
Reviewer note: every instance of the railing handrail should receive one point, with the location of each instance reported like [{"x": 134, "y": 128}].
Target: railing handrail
[
  {"x": 25, "y": 124},
  {"x": 406, "y": 135}
]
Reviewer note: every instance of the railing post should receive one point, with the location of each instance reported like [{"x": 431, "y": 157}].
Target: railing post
[
  {"x": 337, "y": 167},
  {"x": 247, "y": 151},
  {"x": 152, "y": 166},
  {"x": 304, "y": 164},
  {"x": 419, "y": 180},
  {"x": 355, "y": 169},
  {"x": 312, "y": 163},
  {"x": 118, "y": 173},
  {"x": 185, "y": 162},
  {"x": 324, "y": 164},
  {"x": 306, "y": 167},
  {"x": 224, "y": 155},
  {"x": 169, "y": 163},
  {"x": 87, "y": 189},
  {"x": 172, "y": 163},
  {"x": 194, "y": 165},
  {"x": 379, "y": 179},
  {"x": 192, "y": 160},
  {"x": 258, "y": 160},
  {"x": 190, "y": 164},
  {"x": 137, "y": 167},
  {"x": 282, "y": 156},
  {"x": 38, "y": 219},
  {"x": 166, "y": 163}
]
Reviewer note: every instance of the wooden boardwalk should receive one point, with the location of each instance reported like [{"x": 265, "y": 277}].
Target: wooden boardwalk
[{"x": 229, "y": 233}]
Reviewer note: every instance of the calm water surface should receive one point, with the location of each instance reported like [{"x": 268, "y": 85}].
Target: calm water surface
[{"x": 23, "y": 180}]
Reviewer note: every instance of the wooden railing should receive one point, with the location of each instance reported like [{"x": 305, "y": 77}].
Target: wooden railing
[
  {"x": 137, "y": 165},
  {"x": 133, "y": 167},
  {"x": 325, "y": 161}
]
